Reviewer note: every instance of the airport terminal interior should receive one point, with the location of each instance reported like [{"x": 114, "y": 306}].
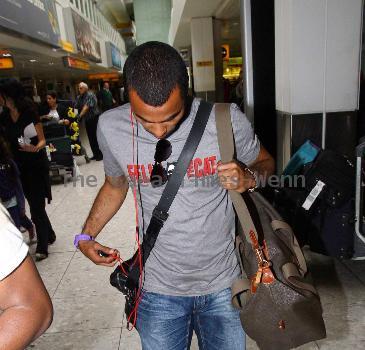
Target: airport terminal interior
[{"x": 295, "y": 68}]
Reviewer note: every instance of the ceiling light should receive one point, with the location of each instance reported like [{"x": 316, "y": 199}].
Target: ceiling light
[{"x": 32, "y": 61}]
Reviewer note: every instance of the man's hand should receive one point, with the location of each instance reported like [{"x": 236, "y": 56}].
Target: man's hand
[
  {"x": 90, "y": 250},
  {"x": 233, "y": 177}
]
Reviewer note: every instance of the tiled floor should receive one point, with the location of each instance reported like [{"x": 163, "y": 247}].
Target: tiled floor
[{"x": 89, "y": 312}]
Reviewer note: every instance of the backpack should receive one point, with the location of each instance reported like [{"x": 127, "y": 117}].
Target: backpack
[{"x": 279, "y": 308}]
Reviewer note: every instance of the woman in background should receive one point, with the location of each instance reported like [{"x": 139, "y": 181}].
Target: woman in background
[
  {"x": 63, "y": 116},
  {"x": 56, "y": 111},
  {"x": 11, "y": 191},
  {"x": 24, "y": 132}
]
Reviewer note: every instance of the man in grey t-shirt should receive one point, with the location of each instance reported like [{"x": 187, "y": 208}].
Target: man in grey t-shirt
[{"x": 189, "y": 272}]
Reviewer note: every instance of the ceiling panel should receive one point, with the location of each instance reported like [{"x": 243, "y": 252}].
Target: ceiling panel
[
  {"x": 114, "y": 10},
  {"x": 226, "y": 10},
  {"x": 229, "y": 10}
]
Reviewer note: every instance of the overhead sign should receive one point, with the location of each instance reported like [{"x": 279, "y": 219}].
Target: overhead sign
[
  {"x": 6, "y": 63},
  {"x": 204, "y": 63},
  {"x": 6, "y": 60},
  {"x": 5, "y": 54},
  {"x": 103, "y": 76},
  {"x": 235, "y": 61},
  {"x": 86, "y": 41},
  {"x": 67, "y": 46},
  {"x": 34, "y": 18},
  {"x": 75, "y": 63},
  {"x": 114, "y": 59}
]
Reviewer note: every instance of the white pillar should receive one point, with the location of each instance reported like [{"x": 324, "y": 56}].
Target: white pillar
[
  {"x": 317, "y": 48},
  {"x": 203, "y": 55},
  {"x": 317, "y": 55},
  {"x": 246, "y": 44}
]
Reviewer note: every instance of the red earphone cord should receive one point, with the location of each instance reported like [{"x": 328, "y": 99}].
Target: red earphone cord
[{"x": 139, "y": 256}]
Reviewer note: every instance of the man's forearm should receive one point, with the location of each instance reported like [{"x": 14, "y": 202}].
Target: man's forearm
[
  {"x": 108, "y": 201},
  {"x": 264, "y": 168},
  {"x": 84, "y": 110}
]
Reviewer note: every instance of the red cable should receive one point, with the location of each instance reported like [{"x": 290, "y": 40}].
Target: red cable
[
  {"x": 138, "y": 295},
  {"x": 120, "y": 260}
]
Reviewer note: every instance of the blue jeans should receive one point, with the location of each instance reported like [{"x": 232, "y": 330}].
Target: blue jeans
[{"x": 167, "y": 322}]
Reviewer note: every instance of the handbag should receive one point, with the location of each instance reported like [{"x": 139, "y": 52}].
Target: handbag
[
  {"x": 126, "y": 277},
  {"x": 279, "y": 308}
]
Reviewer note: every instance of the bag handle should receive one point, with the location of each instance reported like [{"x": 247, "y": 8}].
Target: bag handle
[
  {"x": 282, "y": 225},
  {"x": 227, "y": 150},
  {"x": 245, "y": 207}
]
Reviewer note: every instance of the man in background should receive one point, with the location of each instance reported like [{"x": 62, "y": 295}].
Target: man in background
[
  {"x": 105, "y": 97},
  {"x": 86, "y": 104}
]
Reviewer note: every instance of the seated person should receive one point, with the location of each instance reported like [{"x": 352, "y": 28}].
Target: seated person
[{"x": 25, "y": 306}]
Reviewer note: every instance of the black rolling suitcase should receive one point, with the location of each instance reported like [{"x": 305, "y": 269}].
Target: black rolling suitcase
[
  {"x": 60, "y": 151},
  {"x": 330, "y": 184},
  {"x": 322, "y": 213}
]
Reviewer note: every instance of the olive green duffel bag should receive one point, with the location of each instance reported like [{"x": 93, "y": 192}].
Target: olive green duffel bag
[{"x": 280, "y": 308}]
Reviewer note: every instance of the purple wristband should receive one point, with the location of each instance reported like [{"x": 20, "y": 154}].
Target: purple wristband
[{"x": 82, "y": 237}]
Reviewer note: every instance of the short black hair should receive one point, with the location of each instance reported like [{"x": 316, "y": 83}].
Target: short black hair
[
  {"x": 52, "y": 93},
  {"x": 13, "y": 89},
  {"x": 10, "y": 87},
  {"x": 153, "y": 70}
]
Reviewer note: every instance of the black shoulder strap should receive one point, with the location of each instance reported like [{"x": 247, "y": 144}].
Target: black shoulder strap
[{"x": 160, "y": 213}]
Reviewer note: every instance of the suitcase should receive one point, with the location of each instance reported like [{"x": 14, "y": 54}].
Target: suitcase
[
  {"x": 322, "y": 213},
  {"x": 60, "y": 156}
]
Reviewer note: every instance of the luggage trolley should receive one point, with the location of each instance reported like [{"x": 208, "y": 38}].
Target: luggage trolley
[
  {"x": 359, "y": 246},
  {"x": 59, "y": 150}
]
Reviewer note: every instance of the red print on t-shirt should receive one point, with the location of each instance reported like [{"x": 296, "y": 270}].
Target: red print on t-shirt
[{"x": 198, "y": 168}]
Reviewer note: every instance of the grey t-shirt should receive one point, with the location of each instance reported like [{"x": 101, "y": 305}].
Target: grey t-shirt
[{"x": 194, "y": 252}]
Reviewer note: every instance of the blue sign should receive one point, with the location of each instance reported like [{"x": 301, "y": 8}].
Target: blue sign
[{"x": 116, "y": 59}]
